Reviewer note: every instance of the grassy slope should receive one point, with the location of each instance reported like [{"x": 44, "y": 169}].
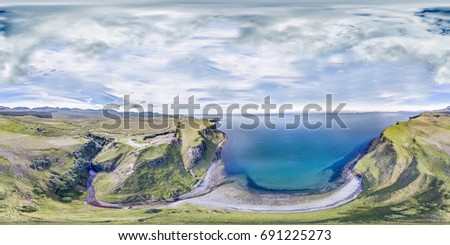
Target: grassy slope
[
  {"x": 202, "y": 138},
  {"x": 21, "y": 140},
  {"x": 414, "y": 153},
  {"x": 156, "y": 171},
  {"x": 409, "y": 166}
]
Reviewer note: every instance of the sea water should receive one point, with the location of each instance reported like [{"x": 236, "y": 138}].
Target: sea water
[{"x": 300, "y": 159}]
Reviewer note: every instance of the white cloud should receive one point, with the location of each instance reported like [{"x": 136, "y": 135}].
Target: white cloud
[
  {"x": 443, "y": 73},
  {"x": 97, "y": 54}
]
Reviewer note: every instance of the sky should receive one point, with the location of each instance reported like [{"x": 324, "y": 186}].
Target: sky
[
  {"x": 230, "y": 1},
  {"x": 374, "y": 58}
]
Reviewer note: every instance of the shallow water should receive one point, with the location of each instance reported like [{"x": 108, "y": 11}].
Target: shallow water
[{"x": 300, "y": 159}]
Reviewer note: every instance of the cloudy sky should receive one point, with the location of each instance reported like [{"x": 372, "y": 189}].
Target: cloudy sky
[{"x": 379, "y": 57}]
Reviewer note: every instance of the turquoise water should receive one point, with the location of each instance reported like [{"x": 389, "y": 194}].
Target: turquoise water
[{"x": 300, "y": 159}]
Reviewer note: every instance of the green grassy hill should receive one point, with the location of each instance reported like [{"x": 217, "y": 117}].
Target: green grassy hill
[
  {"x": 158, "y": 171},
  {"x": 410, "y": 164},
  {"x": 47, "y": 160},
  {"x": 406, "y": 173}
]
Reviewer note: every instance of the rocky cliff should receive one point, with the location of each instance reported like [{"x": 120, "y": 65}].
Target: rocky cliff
[
  {"x": 410, "y": 164},
  {"x": 158, "y": 168}
]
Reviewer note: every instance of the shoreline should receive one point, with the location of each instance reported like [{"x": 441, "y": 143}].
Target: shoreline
[
  {"x": 217, "y": 190},
  {"x": 235, "y": 196},
  {"x": 220, "y": 191},
  {"x": 215, "y": 175}
]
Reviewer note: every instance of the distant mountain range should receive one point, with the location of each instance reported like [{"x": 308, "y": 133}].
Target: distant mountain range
[{"x": 48, "y": 112}]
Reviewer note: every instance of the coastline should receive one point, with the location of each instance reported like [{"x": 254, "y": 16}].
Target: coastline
[
  {"x": 218, "y": 190},
  {"x": 215, "y": 175},
  {"x": 236, "y": 197}
]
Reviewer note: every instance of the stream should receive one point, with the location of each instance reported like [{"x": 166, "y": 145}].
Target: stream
[{"x": 92, "y": 198}]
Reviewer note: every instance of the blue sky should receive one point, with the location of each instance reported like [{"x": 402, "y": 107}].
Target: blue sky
[{"x": 382, "y": 57}]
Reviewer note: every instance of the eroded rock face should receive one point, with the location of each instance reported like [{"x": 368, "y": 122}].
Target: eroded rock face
[
  {"x": 195, "y": 154},
  {"x": 159, "y": 162},
  {"x": 409, "y": 162}
]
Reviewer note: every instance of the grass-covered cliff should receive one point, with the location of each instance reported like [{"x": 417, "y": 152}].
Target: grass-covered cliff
[
  {"x": 406, "y": 173},
  {"x": 409, "y": 166},
  {"x": 46, "y": 160},
  {"x": 160, "y": 168}
]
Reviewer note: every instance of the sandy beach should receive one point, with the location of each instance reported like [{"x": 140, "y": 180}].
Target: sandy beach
[
  {"x": 235, "y": 196},
  {"x": 219, "y": 191}
]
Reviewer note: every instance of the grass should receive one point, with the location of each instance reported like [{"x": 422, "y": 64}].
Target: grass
[
  {"x": 359, "y": 211},
  {"x": 112, "y": 155},
  {"x": 157, "y": 171},
  {"x": 397, "y": 190},
  {"x": 155, "y": 176},
  {"x": 410, "y": 162}
]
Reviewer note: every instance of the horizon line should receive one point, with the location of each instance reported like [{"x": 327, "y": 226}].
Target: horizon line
[{"x": 4, "y": 108}]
